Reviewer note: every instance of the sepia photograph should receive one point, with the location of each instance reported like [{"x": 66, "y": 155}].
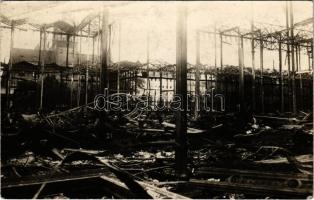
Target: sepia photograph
[{"x": 156, "y": 99}]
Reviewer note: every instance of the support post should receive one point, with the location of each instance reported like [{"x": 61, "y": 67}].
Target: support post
[
  {"x": 93, "y": 53},
  {"x": 119, "y": 60},
  {"x": 221, "y": 51},
  {"x": 160, "y": 87},
  {"x": 253, "y": 72},
  {"x": 262, "y": 71},
  {"x": 86, "y": 86},
  {"x": 215, "y": 46},
  {"x": 241, "y": 81},
  {"x": 253, "y": 60},
  {"x": 281, "y": 78},
  {"x": 79, "y": 73},
  {"x": 312, "y": 54},
  {"x": 147, "y": 68},
  {"x": 135, "y": 82},
  {"x": 72, "y": 73},
  {"x": 167, "y": 83},
  {"x": 181, "y": 91},
  {"x": 93, "y": 60},
  {"x": 104, "y": 51},
  {"x": 67, "y": 53},
  {"x": 197, "y": 75},
  {"x": 42, "y": 71},
  {"x": 294, "y": 105},
  {"x": 39, "y": 53},
  {"x": 309, "y": 58},
  {"x": 300, "y": 76},
  {"x": 8, "y": 81},
  {"x": 288, "y": 55}
]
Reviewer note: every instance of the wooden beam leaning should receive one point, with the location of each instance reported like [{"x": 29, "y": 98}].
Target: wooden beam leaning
[{"x": 181, "y": 91}]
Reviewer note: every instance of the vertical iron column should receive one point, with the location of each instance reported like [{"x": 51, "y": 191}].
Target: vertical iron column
[
  {"x": 309, "y": 58},
  {"x": 39, "y": 54},
  {"x": 221, "y": 56},
  {"x": 160, "y": 86},
  {"x": 78, "y": 98},
  {"x": 66, "y": 61},
  {"x": 253, "y": 73},
  {"x": 8, "y": 81},
  {"x": 147, "y": 68},
  {"x": 300, "y": 76},
  {"x": 197, "y": 76},
  {"x": 86, "y": 85},
  {"x": 67, "y": 53},
  {"x": 42, "y": 71},
  {"x": 167, "y": 86},
  {"x": 294, "y": 105},
  {"x": 241, "y": 81},
  {"x": 288, "y": 56},
  {"x": 215, "y": 46},
  {"x": 135, "y": 82},
  {"x": 262, "y": 71},
  {"x": 181, "y": 91},
  {"x": 119, "y": 60},
  {"x": 104, "y": 51},
  {"x": 72, "y": 73},
  {"x": 93, "y": 61},
  {"x": 281, "y": 78},
  {"x": 253, "y": 60}
]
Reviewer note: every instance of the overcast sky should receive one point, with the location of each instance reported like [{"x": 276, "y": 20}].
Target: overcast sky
[{"x": 158, "y": 18}]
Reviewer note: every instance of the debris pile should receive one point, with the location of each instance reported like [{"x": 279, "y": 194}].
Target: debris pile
[{"x": 137, "y": 156}]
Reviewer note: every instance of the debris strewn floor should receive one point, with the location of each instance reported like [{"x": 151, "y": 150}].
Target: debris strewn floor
[{"x": 224, "y": 161}]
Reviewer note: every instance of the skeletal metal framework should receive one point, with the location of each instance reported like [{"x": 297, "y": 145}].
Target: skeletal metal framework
[{"x": 96, "y": 27}]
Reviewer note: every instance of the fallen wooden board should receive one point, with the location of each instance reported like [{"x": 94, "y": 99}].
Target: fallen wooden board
[
  {"x": 189, "y": 130},
  {"x": 252, "y": 189},
  {"x": 277, "y": 118},
  {"x": 255, "y": 182},
  {"x": 84, "y": 175},
  {"x": 255, "y": 173},
  {"x": 60, "y": 177},
  {"x": 154, "y": 191},
  {"x": 308, "y": 158}
]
